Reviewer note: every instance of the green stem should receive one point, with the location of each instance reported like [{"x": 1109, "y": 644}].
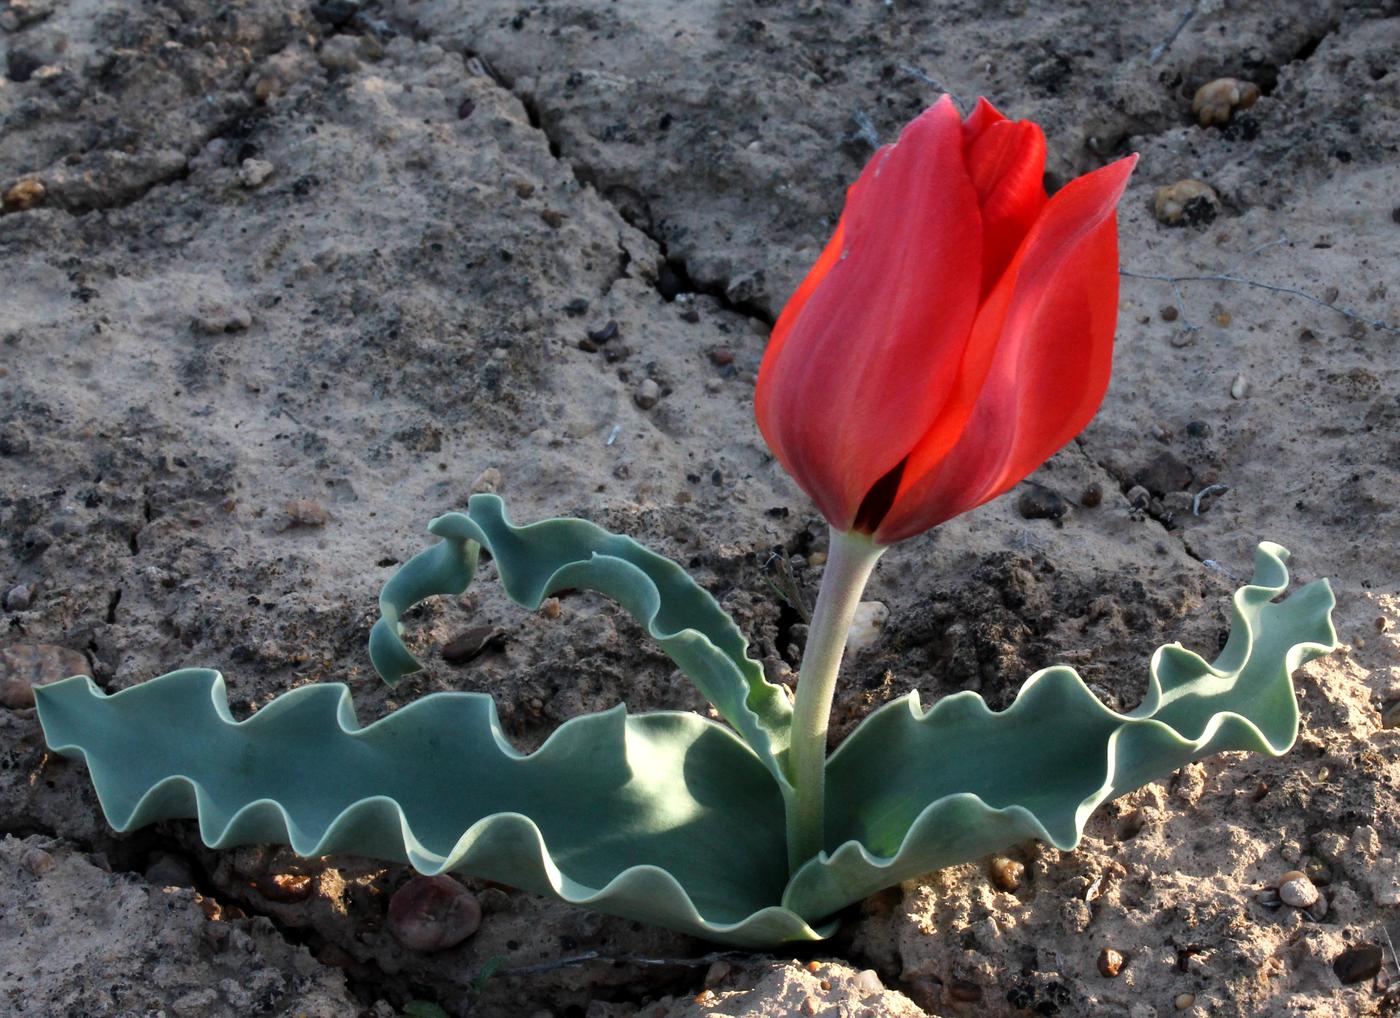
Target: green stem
[{"x": 850, "y": 561}]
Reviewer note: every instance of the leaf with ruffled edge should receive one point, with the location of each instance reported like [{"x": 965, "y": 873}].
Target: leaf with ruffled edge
[
  {"x": 667, "y": 817},
  {"x": 912, "y": 791},
  {"x": 536, "y": 560}
]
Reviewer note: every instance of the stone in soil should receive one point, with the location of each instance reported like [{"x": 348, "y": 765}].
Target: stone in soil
[
  {"x": 26, "y": 665},
  {"x": 1186, "y": 203},
  {"x": 305, "y": 512},
  {"x": 433, "y": 913},
  {"x": 471, "y": 644},
  {"x": 1110, "y": 962},
  {"x": 19, "y": 597},
  {"x": 1297, "y": 890},
  {"x": 1037, "y": 502},
  {"x": 1358, "y": 963},
  {"x": 647, "y": 394}
]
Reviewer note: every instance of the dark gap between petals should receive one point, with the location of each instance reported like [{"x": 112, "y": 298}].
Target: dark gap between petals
[{"x": 879, "y": 500}]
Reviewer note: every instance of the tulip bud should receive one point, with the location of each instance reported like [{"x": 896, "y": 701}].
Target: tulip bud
[{"x": 954, "y": 333}]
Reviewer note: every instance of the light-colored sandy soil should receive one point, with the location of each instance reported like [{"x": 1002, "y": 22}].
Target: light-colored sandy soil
[{"x": 454, "y": 195}]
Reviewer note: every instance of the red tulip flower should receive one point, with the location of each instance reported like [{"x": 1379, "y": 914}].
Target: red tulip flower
[{"x": 956, "y": 331}]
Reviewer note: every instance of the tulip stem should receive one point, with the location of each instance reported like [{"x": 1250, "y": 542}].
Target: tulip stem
[{"x": 850, "y": 561}]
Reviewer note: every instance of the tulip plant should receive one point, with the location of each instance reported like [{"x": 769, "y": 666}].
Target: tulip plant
[{"x": 954, "y": 333}]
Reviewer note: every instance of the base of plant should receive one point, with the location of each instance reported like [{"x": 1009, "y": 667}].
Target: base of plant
[{"x": 671, "y": 818}]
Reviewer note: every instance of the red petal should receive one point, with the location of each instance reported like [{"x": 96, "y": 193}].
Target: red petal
[
  {"x": 861, "y": 369},
  {"x": 1037, "y": 365},
  {"x": 1006, "y": 163},
  {"x": 830, "y": 255},
  {"x": 983, "y": 115}
]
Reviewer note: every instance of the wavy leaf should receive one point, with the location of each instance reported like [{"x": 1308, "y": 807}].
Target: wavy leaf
[
  {"x": 536, "y": 560},
  {"x": 666, "y": 817},
  {"x": 912, "y": 791}
]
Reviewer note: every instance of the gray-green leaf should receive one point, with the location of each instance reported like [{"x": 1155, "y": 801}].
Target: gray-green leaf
[
  {"x": 665, "y": 817},
  {"x": 912, "y": 791},
  {"x": 536, "y": 560}
]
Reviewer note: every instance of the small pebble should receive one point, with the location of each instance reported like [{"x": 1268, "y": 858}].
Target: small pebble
[
  {"x": 1162, "y": 433},
  {"x": 1037, "y": 502},
  {"x": 488, "y": 482},
  {"x": 216, "y": 319},
  {"x": 37, "y": 861},
  {"x": 868, "y": 983},
  {"x": 647, "y": 394},
  {"x": 1186, "y": 203},
  {"x": 18, "y": 598},
  {"x": 1184, "y": 1001},
  {"x": 1169, "y": 313},
  {"x": 865, "y": 631},
  {"x": 1138, "y": 496},
  {"x": 605, "y": 334},
  {"x": 26, "y": 665},
  {"x": 1358, "y": 963},
  {"x": 720, "y": 356},
  {"x": 1297, "y": 890},
  {"x": 469, "y": 645},
  {"x": 1239, "y": 388},
  {"x": 1091, "y": 496},
  {"x": 433, "y": 913},
  {"x": 23, "y": 195},
  {"x": 1006, "y": 874},
  {"x": 1110, "y": 962},
  {"x": 305, "y": 512},
  {"x": 1216, "y": 100},
  {"x": 253, "y": 172},
  {"x": 550, "y": 608},
  {"x": 713, "y": 385}
]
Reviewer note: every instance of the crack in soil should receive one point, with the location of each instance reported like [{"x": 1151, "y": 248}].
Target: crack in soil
[{"x": 673, "y": 277}]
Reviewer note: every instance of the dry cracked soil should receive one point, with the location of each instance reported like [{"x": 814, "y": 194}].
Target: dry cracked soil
[{"x": 283, "y": 281}]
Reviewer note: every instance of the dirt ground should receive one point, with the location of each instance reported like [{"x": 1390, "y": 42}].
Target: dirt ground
[{"x": 296, "y": 278}]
